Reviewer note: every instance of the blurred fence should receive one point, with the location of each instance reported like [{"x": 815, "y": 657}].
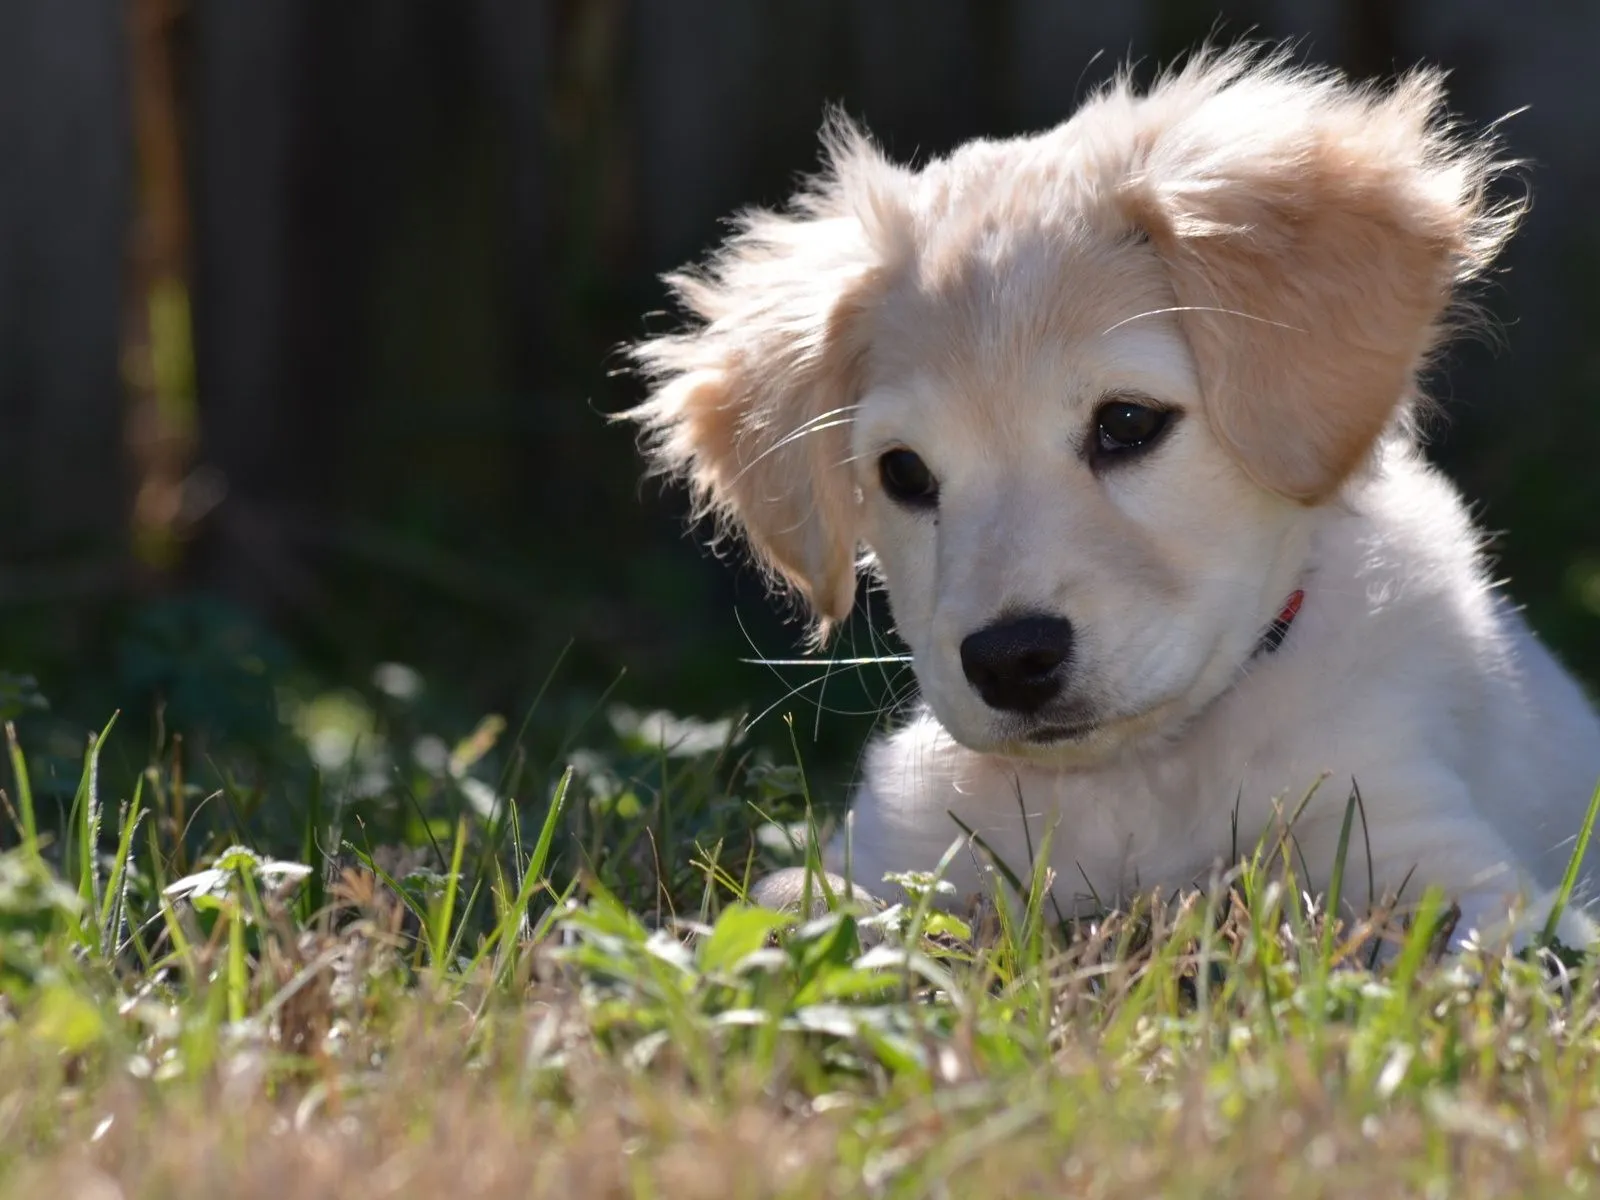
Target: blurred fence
[{"x": 402, "y": 239}]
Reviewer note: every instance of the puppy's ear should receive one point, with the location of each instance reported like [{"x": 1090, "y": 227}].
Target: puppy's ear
[
  {"x": 1314, "y": 232},
  {"x": 753, "y": 406}
]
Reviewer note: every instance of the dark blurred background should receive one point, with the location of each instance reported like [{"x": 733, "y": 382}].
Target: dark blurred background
[{"x": 309, "y": 312}]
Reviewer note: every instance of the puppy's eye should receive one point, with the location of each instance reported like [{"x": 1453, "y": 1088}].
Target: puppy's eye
[
  {"x": 907, "y": 479},
  {"x": 1121, "y": 426}
]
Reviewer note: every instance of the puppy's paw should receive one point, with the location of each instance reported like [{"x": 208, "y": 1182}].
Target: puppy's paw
[
  {"x": 785, "y": 891},
  {"x": 1492, "y": 924}
]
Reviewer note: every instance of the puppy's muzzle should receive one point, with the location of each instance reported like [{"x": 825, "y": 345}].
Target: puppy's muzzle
[{"x": 1017, "y": 664}]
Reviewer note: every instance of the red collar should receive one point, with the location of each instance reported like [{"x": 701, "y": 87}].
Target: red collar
[{"x": 1279, "y": 629}]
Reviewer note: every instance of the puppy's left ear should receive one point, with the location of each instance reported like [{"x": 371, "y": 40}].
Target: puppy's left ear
[
  {"x": 753, "y": 406},
  {"x": 1314, "y": 232}
]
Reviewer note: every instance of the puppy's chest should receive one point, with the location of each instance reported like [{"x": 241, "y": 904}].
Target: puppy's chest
[
  {"x": 1113, "y": 832},
  {"x": 1150, "y": 820}
]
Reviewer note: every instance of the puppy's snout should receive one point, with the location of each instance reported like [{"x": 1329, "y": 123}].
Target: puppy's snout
[{"x": 1016, "y": 665}]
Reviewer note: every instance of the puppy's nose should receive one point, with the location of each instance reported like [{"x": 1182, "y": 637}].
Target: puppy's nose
[{"x": 1015, "y": 665}]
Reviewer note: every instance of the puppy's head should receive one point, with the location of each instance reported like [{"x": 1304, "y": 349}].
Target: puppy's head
[{"x": 1078, "y": 393}]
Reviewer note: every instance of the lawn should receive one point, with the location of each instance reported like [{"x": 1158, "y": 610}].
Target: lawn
[{"x": 420, "y": 965}]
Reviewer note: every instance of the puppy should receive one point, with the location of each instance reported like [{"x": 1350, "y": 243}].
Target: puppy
[{"x": 1122, "y": 417}]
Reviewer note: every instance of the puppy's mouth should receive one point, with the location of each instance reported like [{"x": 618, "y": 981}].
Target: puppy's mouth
[
  {"x": 1080, "y": 733},
  {"x": 1056, "y": 734}
]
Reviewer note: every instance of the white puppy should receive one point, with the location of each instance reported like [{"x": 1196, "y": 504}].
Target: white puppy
[{"x": 1122, "y": 414}]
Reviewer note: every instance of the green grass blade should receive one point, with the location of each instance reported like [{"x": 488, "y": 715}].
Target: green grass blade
[
  {"x": 1419, "y": 940},
  {"x": 439, "y": 932},
  {"x": 464, "y": 922},
  {"x": 1569, "y": 880},
  {"x": 314, "y": 897},
  {"x": 1330, "y": 917},
  {"x": 515, "y": 915},
  {"x": 1000, "y": 864},
  {"x": 364, "y": 857},
  {"x": 540, "y": 858},
  {"x": 238, "y": 974},
  {"x": 19, "y": 772},
  {"x": 86, "y": 807},
  {"x": 114, "y": 907}
]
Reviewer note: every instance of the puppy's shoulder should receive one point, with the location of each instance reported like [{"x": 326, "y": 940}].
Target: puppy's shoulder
[{"x": 1411, "y": 520}]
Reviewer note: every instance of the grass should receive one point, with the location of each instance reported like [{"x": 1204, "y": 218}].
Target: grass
[{"x": 478, "y": 975}]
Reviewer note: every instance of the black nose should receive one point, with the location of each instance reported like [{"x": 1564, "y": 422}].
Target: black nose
[{"x": 1015, "y": 665}]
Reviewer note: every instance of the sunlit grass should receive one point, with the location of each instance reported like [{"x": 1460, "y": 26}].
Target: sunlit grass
[{"x": 553, "y": 986}]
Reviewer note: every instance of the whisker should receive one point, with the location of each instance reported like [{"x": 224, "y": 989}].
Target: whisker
[
  {"x": 879, "y": 644},
  {"x": 898, "y": 697},
  {"x": 842, "y": 410},
  {"x": 790, "y": 690},
  {"x": 896, "y": 685},
  {"x": 891, "y": 694},
  {"x": 865, "y": 661},
  {"x": 795, "y": 691},
  {"x": 1177, "y": 308},
  {"x": 816, "y": 725},
  {"x": 815, "y": 424}
]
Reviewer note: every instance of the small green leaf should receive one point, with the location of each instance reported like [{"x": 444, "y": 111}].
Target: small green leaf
[
  {"x": 741, "y": 930},
  {"x": 67, "y": 1021}
]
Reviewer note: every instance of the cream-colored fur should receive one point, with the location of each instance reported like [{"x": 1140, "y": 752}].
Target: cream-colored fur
[{"x": 1271, "y": 254}]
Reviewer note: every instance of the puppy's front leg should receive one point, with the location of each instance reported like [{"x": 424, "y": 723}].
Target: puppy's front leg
[
  {"x": 1475, "y": 868},
  {"x": 1490, "y": 918}
]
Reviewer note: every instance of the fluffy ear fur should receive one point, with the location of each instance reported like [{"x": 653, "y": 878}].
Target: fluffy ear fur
[
  {"x": 753, "y": 405},
  {"x": 1313, "y": 230}
]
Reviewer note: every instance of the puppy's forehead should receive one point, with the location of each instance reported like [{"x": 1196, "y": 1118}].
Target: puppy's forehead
[{"x": 990, "y": 312}]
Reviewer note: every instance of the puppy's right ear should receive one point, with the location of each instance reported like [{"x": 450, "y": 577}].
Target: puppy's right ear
[
  {"x": 753, "y": 405},
  {"x": 1314, "y": 232}
]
